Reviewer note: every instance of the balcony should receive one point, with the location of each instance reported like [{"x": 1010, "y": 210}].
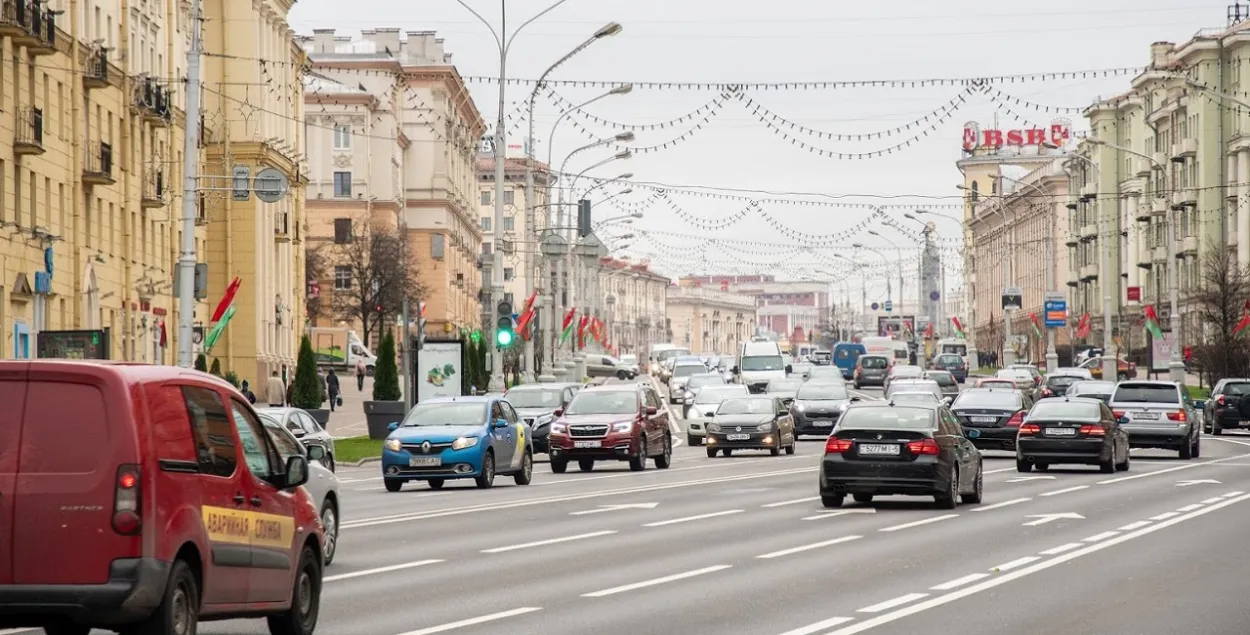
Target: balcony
[
  {"x": 1142, "y": 166},
  {"x": 154, "y": 189},
  {"x": 98, "y": 164},
  {"x": 1189, "y": 245},
  {"x": 1089, "y": 192},
  {"x": 152, "y": 100},
  {"x": 95, "y": 72},
  {"x": 1072, "y": 241},
  {"x": 282, "y": 228},
  {"x": 1089, "y": 272},
  {"x": 1186, "y": 149},
  {"x": 1187, "y": 197},
  {"x": 30, "y": 25},
  {"x": 1159, "y": 206},
  {"x": 1074, "y": 277},
  {"x": 1089, "y": 232},
  {"x": 1160, "y": 159},
  {"x": 28, "y": 138},
  {"x": 1159, "y": 254}
]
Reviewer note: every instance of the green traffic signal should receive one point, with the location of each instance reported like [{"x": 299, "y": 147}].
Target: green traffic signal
[{"x": 503, "y": 338}]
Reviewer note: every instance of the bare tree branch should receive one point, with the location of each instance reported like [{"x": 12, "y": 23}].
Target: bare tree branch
[
  {"x": 379, "y": 276},
  {"x": 315, "y": 270},
  {"x": 1220, "y": 302}
]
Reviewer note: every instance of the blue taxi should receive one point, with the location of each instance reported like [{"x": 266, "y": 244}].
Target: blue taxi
[{"x": 458, "y": 438}]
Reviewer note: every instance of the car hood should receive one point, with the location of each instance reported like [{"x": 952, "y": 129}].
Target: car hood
[
  {"x": 533, "y": 412},
  {"x": 822, "y": 404},
  {"x": 742, "y": 420},
  {"x": 602, "y": 420},
  {"x": 435, "y": 434}
]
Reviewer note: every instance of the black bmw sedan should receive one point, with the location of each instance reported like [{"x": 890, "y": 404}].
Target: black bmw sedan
[
  {"x": 996, "y": 413},
  {"x": 1072, "y": 430}
]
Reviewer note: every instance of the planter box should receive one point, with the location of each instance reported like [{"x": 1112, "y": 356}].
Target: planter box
[
  {"x": 322, "y": 417},
  {"x": 381, "y": 414}
]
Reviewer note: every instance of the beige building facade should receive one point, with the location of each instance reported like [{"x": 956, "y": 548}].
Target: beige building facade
[
  {"x": 635, "y": 300},
  {"x": 393, "y": 132},
  {"x": 708, "y": 320},
  {"x": 522, "y": 266}
]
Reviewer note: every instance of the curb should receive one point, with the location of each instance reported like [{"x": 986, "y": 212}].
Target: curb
[{"x": 365, "y": 461}]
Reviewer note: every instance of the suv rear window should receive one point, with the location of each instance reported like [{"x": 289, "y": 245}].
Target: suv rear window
[
  {"x": 875, "y": 362},
  {"x": 1146, "y": 393},
  {"x": 1238, "y": 388}
]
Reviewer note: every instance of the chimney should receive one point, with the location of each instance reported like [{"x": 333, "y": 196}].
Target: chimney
[
  {"x": 438, "y": 54},
  {"x": 323, "y": 41},
  {"x": 1161, "y": 54},
  {"x": 386, "y": 39}
]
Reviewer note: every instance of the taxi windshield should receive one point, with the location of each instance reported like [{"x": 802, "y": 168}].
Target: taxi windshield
[{"x": 447, "y": 414}]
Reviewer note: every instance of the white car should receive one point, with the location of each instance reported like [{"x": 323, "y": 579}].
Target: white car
[
  {"x": 630, "y": 362},
  {"x": 322, "y": 485}
]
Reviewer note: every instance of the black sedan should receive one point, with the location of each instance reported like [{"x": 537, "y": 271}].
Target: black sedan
[
  {"x": 995, "y": 413},
  {"x": 1058, "y": 382},
  {"x": 757, "y": 422},
  {"x": 1072, "y": 430},
  {"x": 880, "y": 449},
  {"x": 1228, "y": 407},
  {"x": 817, "y": 407}
]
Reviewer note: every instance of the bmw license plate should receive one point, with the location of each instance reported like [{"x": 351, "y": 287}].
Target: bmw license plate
[
  {"x": 1146, "y": 416},
  {"x": 587, "y": 444},
  {"x": 424, "y": 461},
  {"x": 738, "y": 437},
  {"x": 879, "y": 449},
  {"x": 1060, "y": 432},
  {"x": 983, "y": 419}
]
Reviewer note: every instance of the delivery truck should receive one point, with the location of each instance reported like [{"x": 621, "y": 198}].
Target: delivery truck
[{"x": 340, "y": 348}]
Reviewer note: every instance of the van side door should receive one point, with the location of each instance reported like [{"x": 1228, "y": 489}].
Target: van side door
[{"x": 13, "y": 396}]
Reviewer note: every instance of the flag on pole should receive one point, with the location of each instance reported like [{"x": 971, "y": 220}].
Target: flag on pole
[
  {"x": 421, "y": 309},
  {"x": 566, "y": 329},
  {"x": 1245, "y": 320},
  {"x": 1082, "y": 326},
  {"x": 1152, "y": 322},
  {"x": 959, "y": 328},
  {"x": 210, "y": 340},
  {"x": 1037, "y": 325},
  {"x": 582, "y": 323},
  {"x": 527, "y": 316},
  {"x": 226, "y": 300}
]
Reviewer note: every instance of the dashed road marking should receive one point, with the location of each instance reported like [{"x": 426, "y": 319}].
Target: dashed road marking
[
  {"x": 1065, "y": 491},
  {"x": 958, "y": 582},
  {"x": 919, "y": 523},
  {"x": 889, "y": 604},
  {"x": 1054, "y": 551},
  {"x": 1014, "y": 564},
  {"x": 1103, "y": 536}
]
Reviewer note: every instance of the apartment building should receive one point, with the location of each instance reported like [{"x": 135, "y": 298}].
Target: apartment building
[
  {"x": 708, "y": 320},
  {"x": 782, "y": 305},
  {"x": 523, "y": 262},
  {"x": 413, "y": 131},
  {"x": 636, "y": 302}
]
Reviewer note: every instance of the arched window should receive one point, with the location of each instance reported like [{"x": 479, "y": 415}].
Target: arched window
[
  {"x": 993, "y": 187},
  {"x": 976, "y": 191}
]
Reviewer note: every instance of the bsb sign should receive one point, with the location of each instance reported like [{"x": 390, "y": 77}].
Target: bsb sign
[{"x": 1057, "y": 134}]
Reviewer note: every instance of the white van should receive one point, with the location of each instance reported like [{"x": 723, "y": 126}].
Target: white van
[{"x": 758, "y": 364}]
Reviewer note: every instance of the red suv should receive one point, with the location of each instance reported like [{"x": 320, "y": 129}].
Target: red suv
[
  {"x": 620, "y": 422},
  {"x": 144, "y": 498}
]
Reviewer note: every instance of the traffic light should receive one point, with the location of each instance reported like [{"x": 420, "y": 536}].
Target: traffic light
[
  {"x": 504, "y": 334},
  {"x": 583, "y": 218}
]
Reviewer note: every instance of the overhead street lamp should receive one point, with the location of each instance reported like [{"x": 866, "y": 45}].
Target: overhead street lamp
[{"x": 969, "y": 278}]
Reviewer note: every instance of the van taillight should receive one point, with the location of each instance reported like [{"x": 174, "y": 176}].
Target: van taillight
[{"x": 126, "y": 501}]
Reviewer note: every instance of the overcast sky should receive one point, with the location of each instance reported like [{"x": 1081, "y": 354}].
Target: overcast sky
[{"x": 735, "y": 41}]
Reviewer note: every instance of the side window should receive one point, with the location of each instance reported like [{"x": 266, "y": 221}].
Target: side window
[
  {"x": 653, "y": 399},
  {"x": 310, "y": 425},
  {"x": 293, "y": 424},
  {"x": 567, "y": 397},
  {"x": 779, "y": 407},
  {"x": 256, "y": 451},
  {"x": 287, "y": 445},
  {"x": 212, "y": 431},
  {"x": 496, "y": 412},
  {"x": 509, "y": 414}
]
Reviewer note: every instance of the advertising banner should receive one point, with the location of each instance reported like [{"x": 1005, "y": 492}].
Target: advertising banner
[{"x": 439, "y": 368}]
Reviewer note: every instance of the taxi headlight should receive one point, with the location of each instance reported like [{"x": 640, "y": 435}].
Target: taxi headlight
[
  {"x": 393, "y": 445},
  {"x": 765, "y": 427},
  {"x": 543, "y": 420},
  {"x": 713, "y": 427},
  {"x": 463, "y": 443}
]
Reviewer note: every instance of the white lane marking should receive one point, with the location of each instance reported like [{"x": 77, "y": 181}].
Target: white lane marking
[
  {"x": 1226, "y": 440},
  {"x": 793, "y": 502},
  {"x": 1189, "y": 508},
  {"x": 394, "y": 567},
  {"x": 1014, "y": 564},
  {"x": 456, "y": 511},
  {"x": 672, "y": 416},
  {"x": 1103, "y": 536},
  {"x": 889, "y": 604},
  {"x": 815, "y": 545},
  {"x": 674, "y": 521},
  {"x": 1188, "y": 466},
  {"x": 1165, "y": 516},
  {"x": 999, "y": 470},
  {"x": 1134, "y": 526},
  {"x": 1002, "y": 504},
  {"x": 958, "y": 582},
  {"x": 15, "y": 631},
  {"x": 920, "y": 522},
  {"x": 474, "y": 621},
  {"x": 1212, "y": 501},
  {"x": 1054, "y": 551},
  {"x": 843, "y": 512},
  {"x": 552, "y": 541},
  {"x": 997, "y": 581},
  {"x": 1233, "y": 494},
  {"x": 653, "y": 582},
  {"x": 1065, "y": 491},
  {"x": 820, "y": 626}
]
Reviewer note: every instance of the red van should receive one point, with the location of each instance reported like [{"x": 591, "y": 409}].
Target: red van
[{"x": 145, "y": 499}]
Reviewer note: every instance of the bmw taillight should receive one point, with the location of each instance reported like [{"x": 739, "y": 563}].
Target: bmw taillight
[
  {"x": 1119, "y": 414},
  {"x": 837, "y": 446},
  {"x": 1029, "y": 429},
  {"x": 1179, "y": 415},
  {"x": 924, "y": 446},
  {"x": 1046, "y": 392},
  {"x": 127, "y": 520},
  {"x": 1093, "y": 431}
]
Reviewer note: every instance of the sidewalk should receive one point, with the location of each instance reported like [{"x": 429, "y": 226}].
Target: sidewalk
[{"x": 349, "y": 420}]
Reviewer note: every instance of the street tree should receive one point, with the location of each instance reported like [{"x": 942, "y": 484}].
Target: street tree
[
  {"x": 1220, "y": 303},
  {"x": 373, "y": 276},
  {"x": 316, "y": 269}
]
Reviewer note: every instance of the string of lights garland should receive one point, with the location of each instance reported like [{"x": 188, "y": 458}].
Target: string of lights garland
[
  {"x": 683, "y": 255},
  {"x": 564, "y": 105},
  {"x": 999, "y": 96},
  {"x": 760, "y": 110},
  {"x": 717, "y": 105},
  {"x": 748, "y": 244},
  {"x": 710, "y": 224}
]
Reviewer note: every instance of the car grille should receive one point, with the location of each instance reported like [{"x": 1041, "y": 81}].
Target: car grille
[
  {"x": 417, "y": 448},
  {"x": 588, "y": 431}
]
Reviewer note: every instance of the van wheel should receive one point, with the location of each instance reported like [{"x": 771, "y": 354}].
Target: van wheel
[
  {"x": 622, "y": 375},
  {"x": 301, "y": 618},
  {"x": 178, "y": 613},
  {"x": 330, "y": 522}
]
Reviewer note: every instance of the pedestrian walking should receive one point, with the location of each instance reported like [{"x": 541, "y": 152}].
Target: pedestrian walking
[
  {"x": 275, "y": 391},
  {"x": 246, "y": 389},
  {"x": 360, "y": 375},
  {"x": 332, "y": 388}
]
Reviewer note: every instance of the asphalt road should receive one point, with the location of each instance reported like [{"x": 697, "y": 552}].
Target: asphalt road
[{"x": 741, "y": 545}]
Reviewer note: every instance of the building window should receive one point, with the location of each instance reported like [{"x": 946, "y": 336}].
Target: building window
[
  {"x": 342, "y": 184},
  {"x": 342, "y": 230},
  {"x": 508, "y": 197},
  {"x": 486, "y": 248},
  {"x": 342, "y": 137},
  {"x": 508, "y": 274},
  {"x": 485, "y": 197},
  {"x": 485, "y": 223},
  {"x": 509, "y": 223},
  {"x": 342, "y": 277}
]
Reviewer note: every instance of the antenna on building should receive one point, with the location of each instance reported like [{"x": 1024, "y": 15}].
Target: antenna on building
[{"x": 1237, "y": 13}]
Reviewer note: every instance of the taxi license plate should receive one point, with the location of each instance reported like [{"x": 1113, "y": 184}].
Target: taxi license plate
[
  {"x": 983, "y": 419},
  {"x": 424, "y": 461},
  {"x": 1152, "y": 416},
  {"x": 738, "y": 437},
  {"x": 1060, "y": 432},
  {"x": 587, "y": 444},
  {"x": 879, "y": 449}
]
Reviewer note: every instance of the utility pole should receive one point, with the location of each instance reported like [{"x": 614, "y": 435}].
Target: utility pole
[
  {"x": 496, "y": 269},
  {"x": 190, "y": 197},
  {"x": 1052, "y": 358}
]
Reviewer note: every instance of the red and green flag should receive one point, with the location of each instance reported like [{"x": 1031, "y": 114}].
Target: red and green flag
[
  {"x": 959, "y": 328},
  {"x": 527, "y": 316},
  {"x": 1037, "y": 325},
  {"x": 222, "y": 315},
  {"x": 566, "y": 328},
  {"x": 582, "y": 323},
  {"x": 1245, "y": 320},
  {"x": 1152, "y": 322},
  {"x": 1083, "y": 327}
]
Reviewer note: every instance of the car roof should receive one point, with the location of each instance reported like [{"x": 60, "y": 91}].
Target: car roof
[
  {"x": 886, "y": 404},
  {"x": 1150, "y": 382},
  {"x": 462, "y": 399},
  {"x": 551, "y": 386},
  {"x": 1087, "y": 400},
  {"x": 612, "y": 388}
]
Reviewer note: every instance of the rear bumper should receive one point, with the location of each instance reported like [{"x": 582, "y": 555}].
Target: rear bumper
[
  {"x": 1228, "y": 421},
  {"x": 870, "y": 381},
  {"x": 1083, "y": 451},
  {"x": 909, "y": 479},
  {"x": 995, "y": 438},
  {"x": 134, "y": 589},
  {"x": 1158, "y": 437}
]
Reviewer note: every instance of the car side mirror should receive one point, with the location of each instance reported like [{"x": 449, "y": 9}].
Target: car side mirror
[
  {"x": 316, "y": 453},
  {"x": 296, "y": 472},
  {"x": 972, "y": 433},
  {"x": 501, "y": 423},
  {"x": 855, "y": 398},
  {"x": 557, "y": 412},
  {"x": 299, "y": 434},
  {"x": 949, "y": 400},
  {"x": 652, "y": 410},
  {"x": 394, "y": 425}
]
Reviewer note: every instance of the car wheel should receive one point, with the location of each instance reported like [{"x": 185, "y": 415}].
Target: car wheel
[
  {"x": 1217, "y": 430},
  {"x": 775, "y": 450},
  {"x": 177, "y": 614},
  {"x": 949, "y": 498},
  {"x": 1197, "y": 452},
  {"x": 526, "y": 474},
  {"x": 1023, "y": 466},
  {"x": 559, "y": 466},
  {"x": 330, "y": 522},
  {"x": 586, "y": 465},
  {"x": 693, "y": 441},
  {"x": 832, "y": 500},
  {"x": 1108, "y": 466},
  {"x": 301, "y": 618},
  {"x": 711, "y": 453},
  {"x": 1123, "y": 466},
  {"x": 487, "y": 477},
  {"x": 790, "y": 449},
  {"x": 977, "y": 490},
  {"x": 436, "y": 483},
  {"x": 863, "y": 498},
  {"x": 638, "y": 462},
  {"x": 1187, "y": 452},
  {"x": 393, "y": 484},
  {"x": 68, "y": 629},
  {"x": 622, "y": 375},
  {"x": 727, "y": 452},
  {"x": 666, "y": 458}
]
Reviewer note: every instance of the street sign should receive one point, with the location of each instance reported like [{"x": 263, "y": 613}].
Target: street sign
[
  {"x": 889, "y": 306},
  {"x": 1013, "y": 298},
  {"x": 270, "y": 185},
  {"x": 875, "y": 306},
  {"x": 242, "y": 183},
  {"x": 1056, "y": 307},
  {"x": 935, "y": 296}
]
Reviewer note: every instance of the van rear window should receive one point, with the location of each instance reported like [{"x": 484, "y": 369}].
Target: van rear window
[{"x": 66, "y": 428}]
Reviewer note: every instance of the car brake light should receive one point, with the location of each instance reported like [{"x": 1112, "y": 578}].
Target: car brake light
[
  {"x": 1093, "y": 431},
  {"x": 1179, "y": 415},
  {"x": 1046, "y": 392},
  {"x": 924, "y": 446},
  {"x": 1016, "y": 419},
  {"x": 126, "y": 501},
  {"x": 1219, "y": 400},
  {"x": 837, "y": 446},
  {"x": 1028, "y": 429},
  {"x": 1119, "y": 414}
]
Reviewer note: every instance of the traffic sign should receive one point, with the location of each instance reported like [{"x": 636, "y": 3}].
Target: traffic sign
[
  {"x": 1013, "y": 298},
  {"x": 935, "y": 296},
  {"x": 1056, "y": 307},
  {"x": 875, "y": 306},
  {"x": 889, "y": 306}
]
